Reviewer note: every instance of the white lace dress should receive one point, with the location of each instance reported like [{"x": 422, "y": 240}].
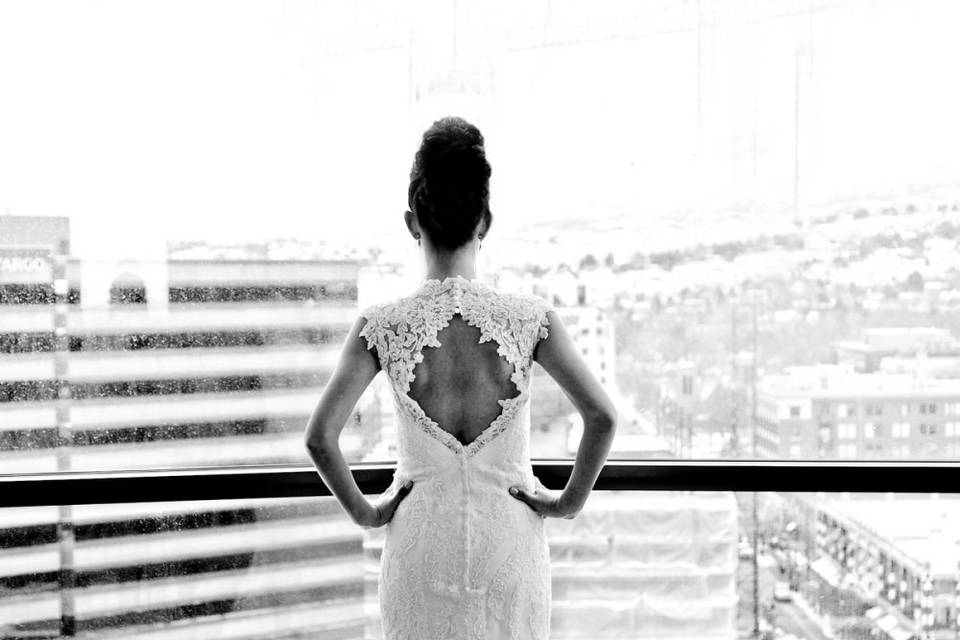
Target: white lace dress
[{"x": 462, "y": 558}]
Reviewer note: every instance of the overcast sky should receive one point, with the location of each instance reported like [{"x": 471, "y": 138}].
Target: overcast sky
[{"x": 249, "y": 119}]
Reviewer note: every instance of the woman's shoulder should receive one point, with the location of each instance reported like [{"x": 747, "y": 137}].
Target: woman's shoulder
[
  {"x": 523, "y": 303},
  {"x": 525, "y": 300}
]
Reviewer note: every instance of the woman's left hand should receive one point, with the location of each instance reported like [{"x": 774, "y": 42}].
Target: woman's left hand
[
  {"x": 381, "y": 513},
  {"x": 545, "y": 503}
]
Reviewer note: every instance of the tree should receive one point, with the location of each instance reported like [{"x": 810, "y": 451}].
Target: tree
[{"x": 915, "y": 281}]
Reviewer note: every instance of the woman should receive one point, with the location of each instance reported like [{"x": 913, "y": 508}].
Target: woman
[{"x": 464, "y": 555}]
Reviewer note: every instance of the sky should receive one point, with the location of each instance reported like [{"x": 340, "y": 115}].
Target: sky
[{"x": 152, "y": 120}]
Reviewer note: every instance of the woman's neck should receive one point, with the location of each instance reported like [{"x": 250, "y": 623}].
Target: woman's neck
[{"x": 459, "y": 263}]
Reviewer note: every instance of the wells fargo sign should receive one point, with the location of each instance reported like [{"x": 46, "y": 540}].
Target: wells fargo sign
[{"x": 24, "y": 265}]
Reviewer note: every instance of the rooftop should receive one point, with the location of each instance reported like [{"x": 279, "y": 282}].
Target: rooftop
[
  {"x": 927, "y": 528},
  {"x": 828, "y": 381}
]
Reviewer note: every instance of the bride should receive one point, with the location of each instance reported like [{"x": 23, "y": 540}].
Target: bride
[{"x": 465, "y": 555}]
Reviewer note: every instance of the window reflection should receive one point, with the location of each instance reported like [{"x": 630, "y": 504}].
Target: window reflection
[{"x": 637, "y": 564}]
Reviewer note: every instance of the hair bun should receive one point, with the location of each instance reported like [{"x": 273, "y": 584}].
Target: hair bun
[
  {"x": 458, "y": 161},
  {"x": 449, "y": 182}
]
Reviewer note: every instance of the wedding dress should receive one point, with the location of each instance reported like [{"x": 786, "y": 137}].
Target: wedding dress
[{"x": 462, "y": 558}]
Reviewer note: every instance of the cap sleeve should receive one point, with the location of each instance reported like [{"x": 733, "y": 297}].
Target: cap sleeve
[
  {"x": 542, "y": 321},
  {"x": 543, "y": 307},
  {"x": 369, "y": 330}
]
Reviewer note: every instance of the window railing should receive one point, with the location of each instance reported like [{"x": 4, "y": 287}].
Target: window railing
[
  {"x": 248, "y": 545},
  {"x": 287, "y": 481}
]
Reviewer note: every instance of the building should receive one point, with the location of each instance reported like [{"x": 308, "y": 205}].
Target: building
[
  {"x": 138, "y": 363},
  {"x": 902, "y": 571},
  {"x": 832, "y": 411},
  {"x": 878, "y": 343}
]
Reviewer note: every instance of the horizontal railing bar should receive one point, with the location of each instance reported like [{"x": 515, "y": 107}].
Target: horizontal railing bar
[{"x": 289, "y": 481}]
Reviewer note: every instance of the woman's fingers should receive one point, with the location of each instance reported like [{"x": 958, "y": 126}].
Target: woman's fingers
[
  {"x": 397, "y": 497},
  {"x": 524, "y": 496},
  {"x": 402, "y": 492}
]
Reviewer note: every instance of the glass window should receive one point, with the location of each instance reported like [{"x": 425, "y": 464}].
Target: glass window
[
  {"x": 182, "y": 297},
  {"x": 298, "y": 567},
  {"x": 847, "y": 450}
]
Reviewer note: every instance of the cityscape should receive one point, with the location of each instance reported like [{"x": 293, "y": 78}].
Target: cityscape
[
  {"x": 841, "y": 335},
  {"x": 746, "y": 214}
]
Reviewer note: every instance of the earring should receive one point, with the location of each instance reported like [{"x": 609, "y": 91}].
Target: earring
[{"x": 418, "y": 239}]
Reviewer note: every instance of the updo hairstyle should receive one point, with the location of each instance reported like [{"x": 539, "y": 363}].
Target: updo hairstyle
[{"x": 450, "y": 183}]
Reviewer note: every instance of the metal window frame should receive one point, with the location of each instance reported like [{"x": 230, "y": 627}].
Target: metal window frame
[{"x": 289, "y": 481}]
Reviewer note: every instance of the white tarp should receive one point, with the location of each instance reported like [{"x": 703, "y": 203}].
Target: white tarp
[{"x": 646, "y": 565}]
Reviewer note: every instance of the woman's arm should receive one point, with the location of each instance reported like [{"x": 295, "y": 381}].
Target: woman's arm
[
  {"x": 559, "y": 356},
  {"x": 355, "y": 370}
]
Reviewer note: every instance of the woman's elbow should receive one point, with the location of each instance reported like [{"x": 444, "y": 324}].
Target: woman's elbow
[
  {"x": 315, "y": 443},
  {"x": 605, "y": 419}
]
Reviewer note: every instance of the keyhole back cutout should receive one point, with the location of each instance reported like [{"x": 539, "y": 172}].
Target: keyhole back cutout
[{"x": 458, "y": 384}]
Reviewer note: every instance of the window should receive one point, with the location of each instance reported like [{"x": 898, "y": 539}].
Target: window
[
  {"x": 847, "y": 410},
  {"x": 900, "y": 429},
  {"x": 873, "y": 409},
  {"x": 928, "y": 407},
  {"x": 226, "y": 206},
  {"x": 929, "y": 428},
  {"x": 847, "y": 430},
  {"x": 847, "y": 450},
  {"x": 900, "y": 451}
]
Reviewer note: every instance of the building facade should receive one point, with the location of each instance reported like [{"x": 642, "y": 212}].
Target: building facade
[{"x": 834, "y": 411}]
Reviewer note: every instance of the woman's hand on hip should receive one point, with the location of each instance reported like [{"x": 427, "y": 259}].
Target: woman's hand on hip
[
  {"x": 381, "y": 512},
  {"x": 546, "y": 504}
]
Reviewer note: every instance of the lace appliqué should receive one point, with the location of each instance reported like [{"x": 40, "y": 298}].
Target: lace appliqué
[{"x": 400, "y": 330}]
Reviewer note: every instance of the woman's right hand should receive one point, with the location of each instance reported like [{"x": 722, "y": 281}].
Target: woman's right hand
[{"x": 382, "y": 512}]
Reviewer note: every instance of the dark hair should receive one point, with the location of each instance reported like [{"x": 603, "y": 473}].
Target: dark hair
[{"x": 449, "y": 182}]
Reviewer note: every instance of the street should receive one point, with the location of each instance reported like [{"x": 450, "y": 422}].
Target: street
[{"x": 784, "y": 615}]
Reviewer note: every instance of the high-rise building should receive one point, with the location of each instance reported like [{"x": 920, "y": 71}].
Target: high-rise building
[{"x": 171, "y": 364}]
